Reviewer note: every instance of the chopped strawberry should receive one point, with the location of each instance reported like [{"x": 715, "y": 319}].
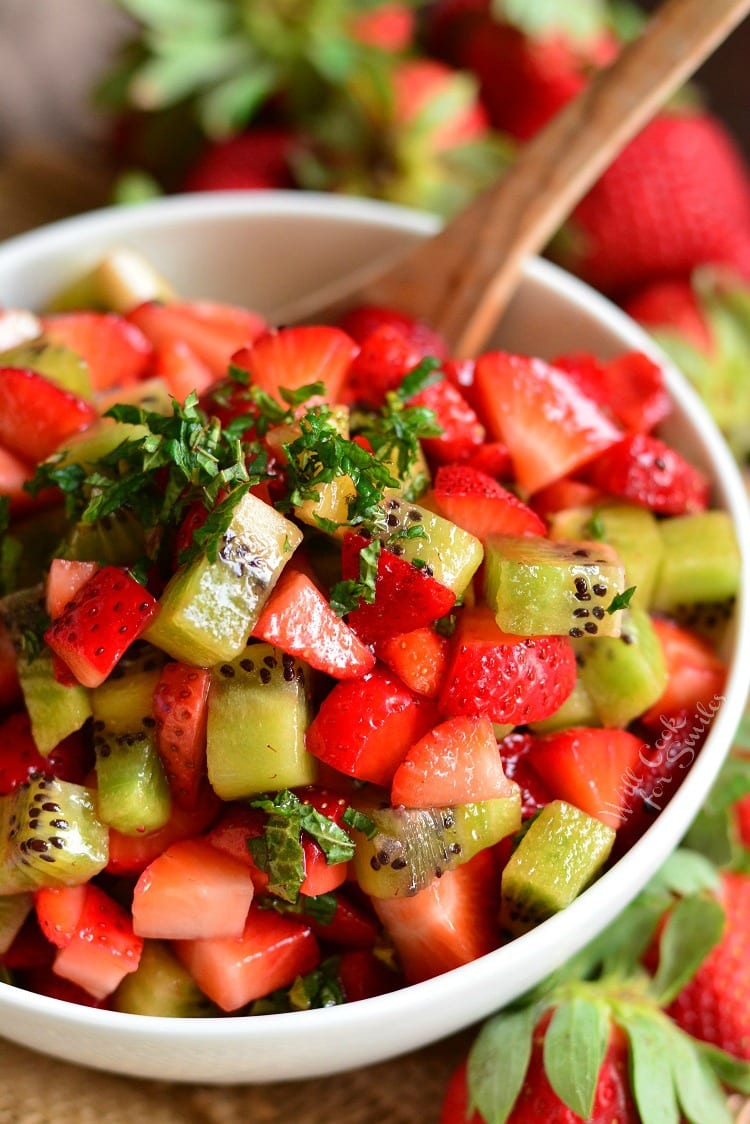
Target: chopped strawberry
[
  {"x": 390, "y": 27},
  {"x": 631, "y": 387},
  {"x": 350, "y": 925},
  {"x": 714, "y": 1005},
  {"x": 10, "y": 687},
  {"x": 212, "y": 331},
  {"x": 116, "y": 352},
  {"x": 298, "y": 619},
  {"x": 462, "y": 432},
  {"x": 563, "y": 494},
  {"x": 191, "y": 892},
  {"x": 646, "y": 471},
  {"x": 362, "y": 321},
  {"x": 457, "y": 762},
  {"x": 64, "y": 579},
  {"x": 493, "y": 459},
  {"x": 385, "y": 357},
  {"x": 695, "y": 675},
  {"x": 36, "y": 415},
  {"x": 406, "y": 597},
  {"x": 452, "y": 922},
  {"x": 590, "y": 768},
  {"x": 362, "y": 974},
  {"x": 257, "y": 159},
  {"x": 516, "y": 754},
  {"x": 549, "y": 427},
  {"x": 107, "y": 614},
  {"x": 29, "y": 948},
  {"x": 43, "y": 981},
  {"x": 183, "y": 372},
  {"x": 58, "y": 911},
  {"x": 364, "y": 727},
  {"x": 507, "y": 678},
  {"x": 180, "y": 711},
  {"x": 14, "y": 474},
  {"x": 419, "y": 658},
  {"x": 270, "y": 954},
  {"x": 477, "y": 503},
  {"x": 103, "y": 949},
  {"x": 20, "y": 759},
  {"x": 131, "y": 854},
  {"x": 294, "y": 357}
]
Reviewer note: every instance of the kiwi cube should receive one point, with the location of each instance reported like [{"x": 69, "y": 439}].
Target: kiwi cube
[
  {"x": 539, "y": 587},
  {"x": 577, "y": 710},
  {"x": 626, "y": 674},
  {"x": 258, "y": 712},
  {"x": 412, "y": 846},
  {"x": 55, "y": 710},
  {"x": 561, "y": 852},
  {"x": 59, "y": 364},
  {"x": 700, "y": 562},
  {"x": 161, "y": 986},
  {"x": 14, "y": 909},
  {"x": 121, "y": 280},
  {"x": 447, "y": 552}
]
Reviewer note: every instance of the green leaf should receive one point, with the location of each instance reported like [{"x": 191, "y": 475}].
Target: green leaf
[
  {"x": 228, "y": 107},
  {"x": 422, "y": 376},
  {"x": 699, "y": 1091},
  {"x": 498, "y": 1062},
  {"x": 179, "y": 69},
  {"x": 199, "y": 16},
  {"x": 134, "y": 187},
  {"x": 685, "y": 872},
  {"x": 693, "y": 928},
  {"x": 581, "y": 20},
  {"x": 651, "y": 1070},
  {"x": 574, "y": 1047},
  {"x": 594, "y": 527},
  {"x": 360, "y": 822},
  {"x": 621, "y": 600},
  {"x": 731, "y": 1071}
]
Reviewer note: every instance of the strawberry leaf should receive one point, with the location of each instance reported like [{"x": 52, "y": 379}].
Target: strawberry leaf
[
  {"x": 651, "y": 1070},
  {"x": 498, "y": 1062},
  {"x": 574, "y": 1047},
  {"x": 693, "y": 928},
  {"x": 685, "y": 872},
  {"x": 546, "y": 18},
  {"x": 732, "y": 1072},
  {"x": 699, "y": 1090}
]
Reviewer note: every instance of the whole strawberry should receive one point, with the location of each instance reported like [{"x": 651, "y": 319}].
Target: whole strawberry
[
  {"x": 255, "y": 159},
  {"x": 715, "y": 1005},
  {"x": 678, "y": 196}
]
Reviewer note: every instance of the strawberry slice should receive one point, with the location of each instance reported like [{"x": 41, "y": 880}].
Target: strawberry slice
[
  {"x": 406, "y": 597},
  {"x": 294, "y": 357},
  {"x": 36, "y": 416},
  {"x": 477, "y": 503},
  {"x": 457, "y": 762},
  {"x": 463, "y": 433},
  {"x": 192, "y": 892},
  {"x": 590, "y": 768},
  {"x": 385, "y": 357},
  {"x": 97, "y": 627},
  {"x": 510, "y": 679},
  {"x": 451, "y": 922},
  {"x": 362, "y": 974},
  {"x": 515, "y": 753},
  {"x": 493, "y": 458},
  {"x": 181, "y": 369},
  {"x": 630, "y": 387},
  {"x": 180, "y": 711},
  {"x": 298, "y": 619},
  {"x": 103, "y": 949},
  {"x": 271, "y": 952},
  {"x": 43, "y": 981},
  {"x": 365, "y": 727},
  {"x": 548, "y": 425},
  {"x": 64, "y": 579},
  {"x": 563, "y": 494},
  {"x": 211, "y": 330},
  {"x": 695, "y": 677},
  {"x": 14, "y": 474},
  {"x": 116, "y": 352},
  {"x": 20, "y": 759},
  {"x": 419, "y": 658},
  {"x": 646, "y": 471},
  {"x": 349, "y": 926},
  {"x": 58, "y": 911},
  {"x": 362, "y": 321}
]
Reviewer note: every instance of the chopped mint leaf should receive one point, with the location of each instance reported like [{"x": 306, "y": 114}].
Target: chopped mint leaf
[
  {"x": 347, "y": 595},
  {"x": 360, "y": 822},
  {"x": 419, "y": 379},
  {"x": 320, "y": 908},
  {"x": 594, "y": 527},
  {"x": 32, "y": 641},
  {"x": 621, "y": 600},
  {"x": 446, "y": 625},
  {"x": 294, "y": 398},
  {"x": 319, "y": 988}
]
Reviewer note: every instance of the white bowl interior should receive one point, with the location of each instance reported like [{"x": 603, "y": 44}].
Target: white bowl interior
[{"x": 272, "y": 251}]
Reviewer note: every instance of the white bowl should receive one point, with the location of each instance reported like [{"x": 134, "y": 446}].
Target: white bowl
[{"x": 271, "y": 251}]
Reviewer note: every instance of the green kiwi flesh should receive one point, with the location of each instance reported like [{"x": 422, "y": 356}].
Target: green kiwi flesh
[
  {"x": 59, "y": 364},
  {"x": 161, "y": 986},
  {"x": 539, "y": 587},
  {"x": 623, "y": 675},
  {"x": 258, "y": 712},
  {"x": 700, "y": 563},
  {"x": 561, "y": 852},
  {"x": 412, "y": 846}
]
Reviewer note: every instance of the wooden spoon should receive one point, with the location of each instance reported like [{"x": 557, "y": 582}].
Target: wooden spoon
[{"x": 460, "y": 281}]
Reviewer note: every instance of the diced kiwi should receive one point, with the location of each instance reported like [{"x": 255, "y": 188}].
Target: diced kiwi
[
  {"x": 633, "y": 533},
  {"x": 14, "y": 909},
  {"x": 626, "y": 674},
  {"x": 161, "y": 986},
  {"x": 414, "y": 482},
  {"x": 258, "y": 712},
  {"x": 539, "y": 587},
  {"x": 57, "y": 363},
  {"x": 148, "y": 394},
  {"x": 99, "y": 441},
  {"x": 55, "y": 711},
  {"x": 117, "y": 540},
  {"x": 577, "y": 710},
  {"x": 132, "y": 790},
  {"x": 50, "y": 835},
  {"x": 208, "y": 609},
  {"x": 117, "y": 283},
  {"x": 561, "y": 852},
  {"x": 700, "y": 570},
  {"x": 449, "y": 554},
  {"x": 412, "y": 846}
]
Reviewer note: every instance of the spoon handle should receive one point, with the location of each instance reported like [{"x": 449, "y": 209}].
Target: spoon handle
[{"x": 461, "y": 280}]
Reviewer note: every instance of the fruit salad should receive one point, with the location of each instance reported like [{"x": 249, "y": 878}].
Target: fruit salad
[{"x": 327, "y": 663}]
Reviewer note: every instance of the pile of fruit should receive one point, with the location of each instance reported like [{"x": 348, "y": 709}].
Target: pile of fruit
[{"x": 381, "y": 657}]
